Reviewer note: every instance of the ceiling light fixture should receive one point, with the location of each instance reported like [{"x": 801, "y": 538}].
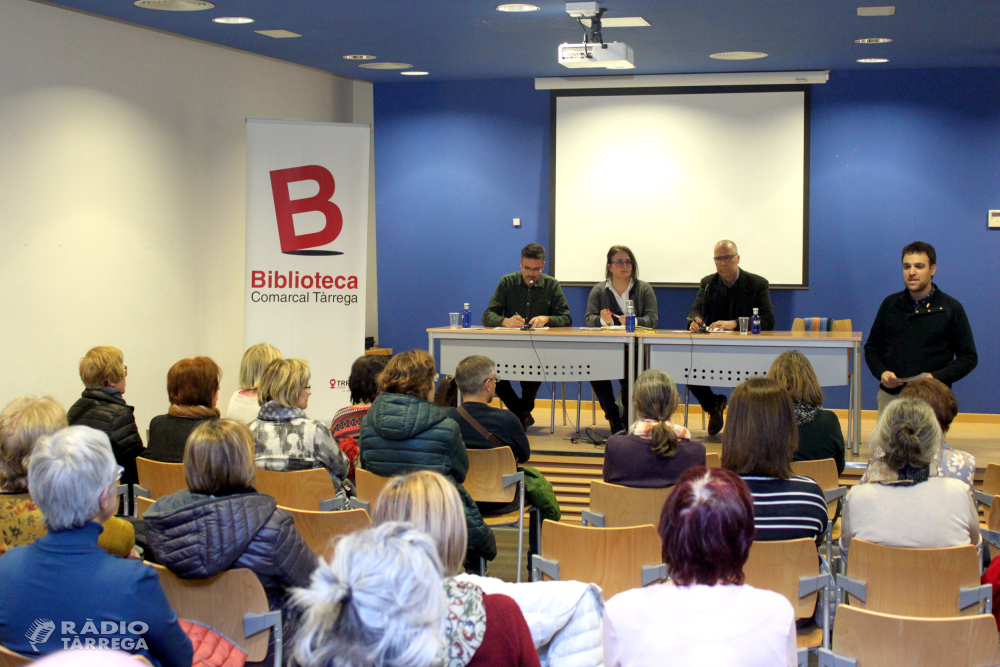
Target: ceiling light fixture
[
  {"x": 359, "y": 57},
  {"x": 385, "y": 65},
  {"x": 232, "y": 20},
  {"x": 873, "y": 60},
  {"x": 518, "y": 8},
  {"x": 414, "y": 73},
  {"x": 738, "y": 55},
  {"x": 277, "y": 34},
  {"x": 873, "y": 40},
  {"x": 175, "y": 5},
  {"x": 876, "y": 11}
]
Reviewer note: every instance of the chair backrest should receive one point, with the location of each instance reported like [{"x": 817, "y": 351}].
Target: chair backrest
[
  {"x": 141, "y": 505},
  {"x": 913, "y": 582},
  {"x": 612, "y": 558},
  {"x": 10, "y": 658},
  {"x": 484, "y": 481},
  {"x": 318, "y": 528},
  {"x": 777, "y": 566},
  {"x": 160, "y": 478},
  {"x": 368, "y": 485},
  {"x": 713, "y": 460},
  {"x": 624, "y": 506},
  {"x": 820, "y": 324},
  {"x": 301, "y": 489},
  {"x": 220, "y": 603},
  {"x": 824, "y": 472},
  {"x": 991, "y": 480},
  {"x": 884, "y": 640}
]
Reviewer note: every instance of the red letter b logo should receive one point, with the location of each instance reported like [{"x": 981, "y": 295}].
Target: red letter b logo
[{"x": 285, "y": 208}]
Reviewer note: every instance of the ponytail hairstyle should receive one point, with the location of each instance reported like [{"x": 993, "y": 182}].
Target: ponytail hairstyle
[
  {"x": 908, "y": 433},
  {"x": 655, "y": 397}
]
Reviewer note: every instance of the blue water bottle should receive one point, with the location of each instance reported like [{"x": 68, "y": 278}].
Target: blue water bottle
[
  {"x": 466, "y": 317},
  {"x": 630, "y": 319},
  {"x": 755, "y": 323}
]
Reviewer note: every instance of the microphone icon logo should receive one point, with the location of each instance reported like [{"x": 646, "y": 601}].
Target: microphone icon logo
[{"x": 39, "y": 632}]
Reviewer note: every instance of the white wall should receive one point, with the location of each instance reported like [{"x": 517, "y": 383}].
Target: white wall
[{"x": 122, "y": 195}]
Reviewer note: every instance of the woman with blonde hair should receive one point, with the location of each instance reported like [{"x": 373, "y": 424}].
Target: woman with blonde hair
[
  {"x": 284, "y": 437},
  {"x": 404, "y": 431},
  {"x": 655, "y": 452},
  {"x": 193, "y": 390},
  {"x": 480, "y": 629},
  {"x": 820, "y": 435},
  {"x": 22, "y": 422},
  {"x": 243, "y": 405}
]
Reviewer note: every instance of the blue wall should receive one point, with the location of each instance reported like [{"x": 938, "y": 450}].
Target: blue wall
[{"x": 897, "y": 155}]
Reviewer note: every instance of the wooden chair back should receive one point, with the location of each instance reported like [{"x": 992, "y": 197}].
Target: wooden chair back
[
  {"x": 368, "y": 485},
  {"x": 713, "y": 460},
  {"x": 777, "y": 566},
  {"x": 220, "y": 603},
  {"x": 993, "y": 523},
  {"x": 991, "y": 485},
  {"x": 141, "y": 505},
  {"x": 612, "y": 558},
  {"x": 160, "y": 478},
  {"x": 913, "y": 582},
  {"x": 484, "y": 481},
  {"x": 301, "y": 489},
  {"x": 318, "y": 528},
  {"x": 885, "y": 640},
  {"x": 624, "y": 506},
  {"x": 824, "y": 472},
  {"x": 10, "y": 658}
]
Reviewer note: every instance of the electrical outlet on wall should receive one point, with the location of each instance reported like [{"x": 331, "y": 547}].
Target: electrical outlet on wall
[{"x": 993, "y": 219}]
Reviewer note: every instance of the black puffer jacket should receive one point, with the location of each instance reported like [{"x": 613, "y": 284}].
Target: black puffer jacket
[
  {"x": 109, "y": 413},
  {"x": 401, "y": 433}
]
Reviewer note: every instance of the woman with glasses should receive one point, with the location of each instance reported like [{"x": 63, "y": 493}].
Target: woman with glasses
[{"x": 607, "y": 306}]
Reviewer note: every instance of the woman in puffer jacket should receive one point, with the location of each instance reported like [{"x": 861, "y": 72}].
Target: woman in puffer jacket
[
  {"x": 403, "y": 431},
  {"x": 220, "y": 522}
]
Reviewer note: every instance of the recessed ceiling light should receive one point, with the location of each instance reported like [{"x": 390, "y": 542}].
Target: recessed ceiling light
[
  {"x": 277, "y": 34},
  {"x": 233, "y": 20},
  {"x": 873, "y": 60},
  {"x": 518, "y": 8},
  {"x": 175, "y": 5},
  {"x": 873, "y": 40},
  {"x": 411, "y": 73},
  {"x": 876, "y": 11},
  {"x": 738, "y": 55},
  {"x": 385, "y": 65},
  {"x": 359, "y": 57}
]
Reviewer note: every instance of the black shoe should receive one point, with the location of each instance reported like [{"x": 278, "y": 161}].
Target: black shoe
[
  {"x": 716, "y": 418},
  {"x": 526, "y": 421},
  {"x": 617, "y": 426}
]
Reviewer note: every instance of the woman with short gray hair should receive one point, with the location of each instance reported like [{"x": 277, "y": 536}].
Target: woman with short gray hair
[
  {"x": 44, "y": 600},
  {"x": 916, "y": 509}
]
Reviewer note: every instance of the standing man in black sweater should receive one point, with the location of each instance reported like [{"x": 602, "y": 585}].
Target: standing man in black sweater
[
  {"x": 723, "y": 297},
  {"x": 920, "y": 330}
]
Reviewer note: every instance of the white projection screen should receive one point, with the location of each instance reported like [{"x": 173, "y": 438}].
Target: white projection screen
[{"x": 669, "y": 174}]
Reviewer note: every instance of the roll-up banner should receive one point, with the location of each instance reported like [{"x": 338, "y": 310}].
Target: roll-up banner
[{"x": 307, "y": 219}]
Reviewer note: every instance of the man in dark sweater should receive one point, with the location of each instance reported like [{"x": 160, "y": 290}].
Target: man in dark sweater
[
  {"x": 920, "y": 330},
  {"x": 723, "y": 298},
  {"x": 527, "y": 296}
]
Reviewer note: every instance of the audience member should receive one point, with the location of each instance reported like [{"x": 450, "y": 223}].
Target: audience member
[
  {"x": 705, "y": 614},
  {"x": 22, "y": 423},
  {"x": 655, "y": 452},
  {"x": 476, "y": 377},
  {"x": 363, "y": 383},
  {"x": 243, "y": 405},
  {"x": 914, "y": 509},
  {"x": 56, "y": 587},
  {"x": 220, "y": 522},
  {"x": 480, "y": 630},
  {"x": 379, "y": 601},
  {"x": 950, "y": 462},
  {"x": 193, "y": 390},
  {"x": 760, "y": 437},
  {"x": 284, "y": 437},
  {"x": 102, "y": 406},
  {"x": 820, "y": 435},
  {"x": 403, "y": 431}
]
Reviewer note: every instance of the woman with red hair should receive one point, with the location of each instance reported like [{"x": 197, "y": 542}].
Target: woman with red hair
[
  {"x": 193, "y": 390},
  {"x": 704, "y": 614}
]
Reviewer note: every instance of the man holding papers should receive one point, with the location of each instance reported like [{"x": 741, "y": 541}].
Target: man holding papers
[
  {"x": 526, "y": 297},
  {"x": 919, "y": 331}
]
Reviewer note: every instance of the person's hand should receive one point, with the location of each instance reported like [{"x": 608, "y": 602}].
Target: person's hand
[
  {"x": 889, "y": 380},
  {"x": 515, "y": 322},
  {"x": 621, "y": 319},
  {"x": 695, "y": 325},
  {"x": 723, "y": 325},
  {"x": 539, "y": 321},
  {"x": 606, "y": 316}
]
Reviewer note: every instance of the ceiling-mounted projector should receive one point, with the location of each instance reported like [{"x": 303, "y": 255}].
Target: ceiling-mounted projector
[{"x": 616, "y": 55}]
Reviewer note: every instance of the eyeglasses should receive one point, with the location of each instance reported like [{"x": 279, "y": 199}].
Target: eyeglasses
[
  {"x": 622, "y": 262},
  {"x": 121, "y": 471},
  {"x": 528, "y": 269},
  {"x": 724, "y": 258},
  {"x": 126, "y": 370}
]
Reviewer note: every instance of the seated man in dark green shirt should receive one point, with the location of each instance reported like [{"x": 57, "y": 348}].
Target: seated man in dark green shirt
[{"x": 527, "y": 296}]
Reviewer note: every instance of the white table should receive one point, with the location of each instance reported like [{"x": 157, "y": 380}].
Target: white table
[
  {"x": 563, "y": 354},
  {"x": 727, "y": 359}
]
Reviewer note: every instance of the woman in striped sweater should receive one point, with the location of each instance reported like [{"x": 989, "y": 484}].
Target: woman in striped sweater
[{"x": 760, "y": 438}]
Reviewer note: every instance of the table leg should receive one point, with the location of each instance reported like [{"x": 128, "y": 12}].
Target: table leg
[
  {"x": 857, "y": 398},
  {"x": 631, "y": 379}
]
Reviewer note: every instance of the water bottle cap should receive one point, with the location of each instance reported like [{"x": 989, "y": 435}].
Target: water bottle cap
[
  {"x": 754, "y": 311},
  {"x": 466, "y": 306}
]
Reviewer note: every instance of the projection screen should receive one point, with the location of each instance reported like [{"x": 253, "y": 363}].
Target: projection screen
[{"x": 670, "y": 173}]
